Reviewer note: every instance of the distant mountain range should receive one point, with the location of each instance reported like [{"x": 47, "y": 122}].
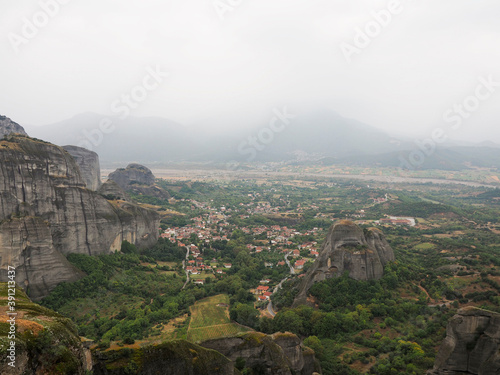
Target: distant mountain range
[
  {"x": 451, "y": 158},
  {"x": 321, "y": 136}
]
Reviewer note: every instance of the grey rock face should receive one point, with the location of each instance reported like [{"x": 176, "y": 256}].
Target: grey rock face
[
  {"x": 88, "y": 162},
  {"x": 133, "y": 174},
  {"x": 177, "y": 357},
  {"x": 280, "y": 354},
  {"x": 471, "y": 346},
  {"x": 111, "y": 190},
  {"x": 138, "y": 179},
  {"x": 26, "y": 244},
  {"x": 7, "y": 126},
  {"x": 348, "y": 248},
  {"x": 38, "y": 179}
]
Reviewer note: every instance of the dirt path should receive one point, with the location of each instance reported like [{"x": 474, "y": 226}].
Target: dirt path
[
  {"x": 443, "y": 302},
  {"x": 425, "y": 291}
]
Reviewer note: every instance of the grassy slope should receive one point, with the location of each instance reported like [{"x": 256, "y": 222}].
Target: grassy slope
[{"x": 210, "y": 321}]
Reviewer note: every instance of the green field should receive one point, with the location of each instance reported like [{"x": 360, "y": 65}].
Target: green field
[
  {"x": 425, "y": 246},
  {"x": 203, "y": 276},
  {"x": 209, "y": 321},
  {"x": 206, "y": 312}
]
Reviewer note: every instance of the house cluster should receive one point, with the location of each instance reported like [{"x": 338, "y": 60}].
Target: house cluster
[
  {"x": 209, "y": 227},
  {"x": 262, "y": 292},
  {"x": 197, "y": 266},
  {"x": 214, "y": 225},
  {"x": 312, "y": 247},
  {"x": 256, "y": 207},
  {"x": 359, "y": 214},
  {"x": 299, "y": 264},
  {"x": 380, "y": 200},
  {"x": 258, "y": 249}
]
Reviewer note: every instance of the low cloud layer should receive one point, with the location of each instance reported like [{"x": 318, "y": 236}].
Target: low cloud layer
[{"x": 400, "y": 66}]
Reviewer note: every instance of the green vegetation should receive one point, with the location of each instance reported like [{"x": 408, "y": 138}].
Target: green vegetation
[
  {"x": 120, "y": 298},
  {"x": 210, "y": 320},
  {"x": 448, "y": 260},
  {"x": 42, "y": 334}
]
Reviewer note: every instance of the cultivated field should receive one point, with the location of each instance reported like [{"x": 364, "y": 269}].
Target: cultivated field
[{"x": 210, "y": 319}]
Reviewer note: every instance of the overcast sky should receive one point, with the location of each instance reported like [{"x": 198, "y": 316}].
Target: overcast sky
[{"x": 246, "y": 58}]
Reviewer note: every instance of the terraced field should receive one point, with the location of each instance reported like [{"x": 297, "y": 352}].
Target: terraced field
[{"x": 210, "y": 320}]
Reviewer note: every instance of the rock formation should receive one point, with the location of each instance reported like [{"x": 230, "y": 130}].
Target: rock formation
[
  {"x": 88, "y": 162},
  {"x": 177, "y": 357},
  {"x": 347, "y": 248},
  {"x": 46, "y": 342},
  {"x": 133, "y": 174},
  {"x": 41, "y": 180},
  {"x": 471, "y": 346},
  {"x": 7, "y": 126},
  {"x": 27, "y": 242},
  {"x": 138, "y": 179},
  {"x": 280, "y": 353},
  {"x": 112, "y": 191}
]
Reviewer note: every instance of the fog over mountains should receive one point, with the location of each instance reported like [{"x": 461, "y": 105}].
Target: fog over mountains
[
  {"x": 321, "y": 135},
  {"x": 285, "y": 136}
]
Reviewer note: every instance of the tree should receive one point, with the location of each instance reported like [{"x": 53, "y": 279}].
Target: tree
[
  {"x": 315, "y": 344},
  {"x": 245, "y": 314},
  {"x": 128, "y": 248},
  {"x": 288, "y": 321}
]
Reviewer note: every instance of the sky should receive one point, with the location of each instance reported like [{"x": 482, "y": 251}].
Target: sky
[{"x": 407, "y": 67}]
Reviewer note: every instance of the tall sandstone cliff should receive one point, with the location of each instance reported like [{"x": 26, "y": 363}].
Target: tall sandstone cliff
[
  {"x": 471, "y": 346},
  {"x": 348, "y": 248},
  {"x": 88, "y": 162},
  {"x": 41, "y": 185}
]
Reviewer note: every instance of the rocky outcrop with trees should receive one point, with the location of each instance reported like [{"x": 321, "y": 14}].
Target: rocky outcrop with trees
[
  {"x": 280, "y": 353},
  {"x": 138, "y": 179},
  {"x": 471, "y": 346},
  {"x": 46, "y": 212},
  {"x": 348, "y": 248}
]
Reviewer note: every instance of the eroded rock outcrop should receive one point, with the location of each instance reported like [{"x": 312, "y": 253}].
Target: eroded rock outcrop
[
  {"x": 471, "y": 346},
  {"x": 41, "y": 180},
  {"x": 138, "y": 179},
  {"x": 176, "y": 357},
  {"x": 46, "y": 342},
  {"x": 7, "y": 126},
  {"x": 88, "y": 162},
  {"x": 280, "y": 353},
  {"x": 348, "y": 248},
  {"x": 27, "y": 243},
  {"x": 134, "y": 173},
  {"x": 112, "y": 191}
]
